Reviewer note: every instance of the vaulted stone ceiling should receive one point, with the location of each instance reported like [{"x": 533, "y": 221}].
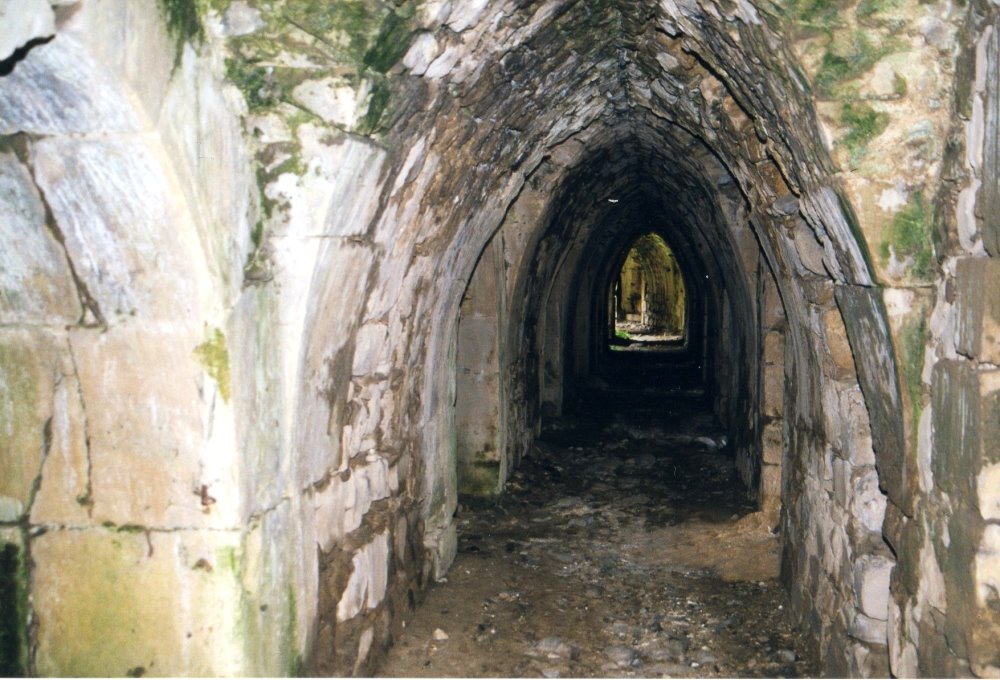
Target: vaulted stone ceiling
[{"x": 275, "y": 209}]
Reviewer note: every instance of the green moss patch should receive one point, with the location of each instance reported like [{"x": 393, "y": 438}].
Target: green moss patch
[
  {"x": 390, "y": 45},
  {"x": 913, "y": 339},
  {"x": 909, "y": 235},
  {"x": 479, "y": 479},
  {"x": 863, "y": 124},
  {"x": 185, "y": 19},
  {"x": 378, "y": 102},
  {"x": 843, "y": 63},
  {"x": 214, "y": 356}
]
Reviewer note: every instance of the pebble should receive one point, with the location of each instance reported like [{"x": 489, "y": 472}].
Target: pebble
[
  {"x": 555, "y": 648},
  {"x": 621, "y": 655},
  {"x": 440, "y": 635},
  {"x": 786, "y": 655}
]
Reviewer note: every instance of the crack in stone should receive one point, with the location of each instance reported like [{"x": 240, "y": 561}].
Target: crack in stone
[
  {"x": 87, "y": 499},
  {"x": 87, "y": 301},
  {"x": 21, "y": 53}
]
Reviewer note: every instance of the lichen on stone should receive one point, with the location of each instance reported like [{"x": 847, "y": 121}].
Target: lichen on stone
[{"x": 214, "y": 356}]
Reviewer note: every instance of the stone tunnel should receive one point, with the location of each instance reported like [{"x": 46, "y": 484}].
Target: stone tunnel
[{"x": 282, "y": 279}]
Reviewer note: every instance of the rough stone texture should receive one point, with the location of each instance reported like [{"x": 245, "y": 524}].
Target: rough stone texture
[
  {"x": 31, "y": 366},
  {"x": 59, "y": 89},
  {"x": 265, "y": 305},
  {"x": 978, "y": 314},
  {"x": 40, "y": 265},
  {"x": 116, "y": 610},
  {"x": 869, "y": 336}
]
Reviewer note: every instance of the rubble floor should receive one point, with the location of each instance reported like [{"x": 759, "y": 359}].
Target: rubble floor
[{"x": 623, "y": 547}]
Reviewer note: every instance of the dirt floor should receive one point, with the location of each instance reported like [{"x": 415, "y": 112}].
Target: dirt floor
[{"x": 623, "y": 548}]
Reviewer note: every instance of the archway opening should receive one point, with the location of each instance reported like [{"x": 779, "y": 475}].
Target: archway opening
[{"x": 648, "y": 299}]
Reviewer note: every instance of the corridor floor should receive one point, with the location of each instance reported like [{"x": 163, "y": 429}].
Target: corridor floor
[{"x": 623, "y": 548}]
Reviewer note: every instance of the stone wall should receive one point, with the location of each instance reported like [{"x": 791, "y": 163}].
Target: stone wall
[{"x": 230, "y": 328}]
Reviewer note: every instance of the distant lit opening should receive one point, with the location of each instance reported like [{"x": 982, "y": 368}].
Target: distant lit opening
[{"x": 648, "y": 300}]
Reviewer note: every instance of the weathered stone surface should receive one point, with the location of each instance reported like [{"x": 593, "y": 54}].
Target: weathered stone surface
[
  {"x": 203, "y": 139},
  {"x": 60, "y": 89},
  {"x": 36, "y": 285},
  {"x": 31, "y": 367},
  {"x": 871, "y": 586},
  {"x": 148, "y": 470},
  {"x": 988, "y": 492},
  {"x": 966, "y": 406},
  {"x": 864, "y": 320},
  {"x": 241, "y": 19},
  {"x": 836, "y": 339},
  {"x": 341, "y": 506},
  {"x": 978, "y": 313},
  {"x": 64, "y": 492},
  {"x": 335, "y": 100},
  {"x": 366, "y": 586},
  {"x": 989, "y": 197},
  {"x": 133, "y": 44},
  {"x": 988, "y": 568},
  {"x": 118, "y": 602},
  {"x": 111, "y": 202},
  {"x": 867, "y": 629}
]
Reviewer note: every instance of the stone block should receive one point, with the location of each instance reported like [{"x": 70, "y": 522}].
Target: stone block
[
  {"x": 64, "y": 491},
  {"x": 371, "y": 350},
  {"x": 774, "y": 348},
  {"x": 856, "y": 439},
  {"x": 867, "y": 502},
  {"x": 341, "y": 506},
  {"x": 841, "y": 481},
  {"x": 966, "y": 425},
  {"x": 59, "y": 88},
  {"x": 871, "y": 585},
  {"x": 989, "y": 196},
  {"x": 117, "y": 603},
  {"x": 978, "y": 313},
  {"x": 335, "y": 100},
  {"x": 867, "y": 629},
  {"x": 200, "y": 128},
  {"x": 774, "y": 390},
  {"x": 322, "y": 351},
  {"x": 773, "y": 442},
  {"x": 988, "y": 568},
  {"x": 133, "y": 44},
  {"x": 770, "y": 481},
  {"x": 836, "y": 341},
  {"x": 867, "y": 329},
  {"x": 111, "y": 201},
  {"x": 988, "y": 492},
  {"x": 36, "y": 285},
  {"x": 147, "y": 469},
  {"x": 368, "y": 580},
  {"x": 808, "y": 249},
  {"x": 31, "y": 365}
]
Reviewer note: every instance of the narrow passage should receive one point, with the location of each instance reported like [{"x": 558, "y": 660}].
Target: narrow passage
[{"x": 624, "y": 547}]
